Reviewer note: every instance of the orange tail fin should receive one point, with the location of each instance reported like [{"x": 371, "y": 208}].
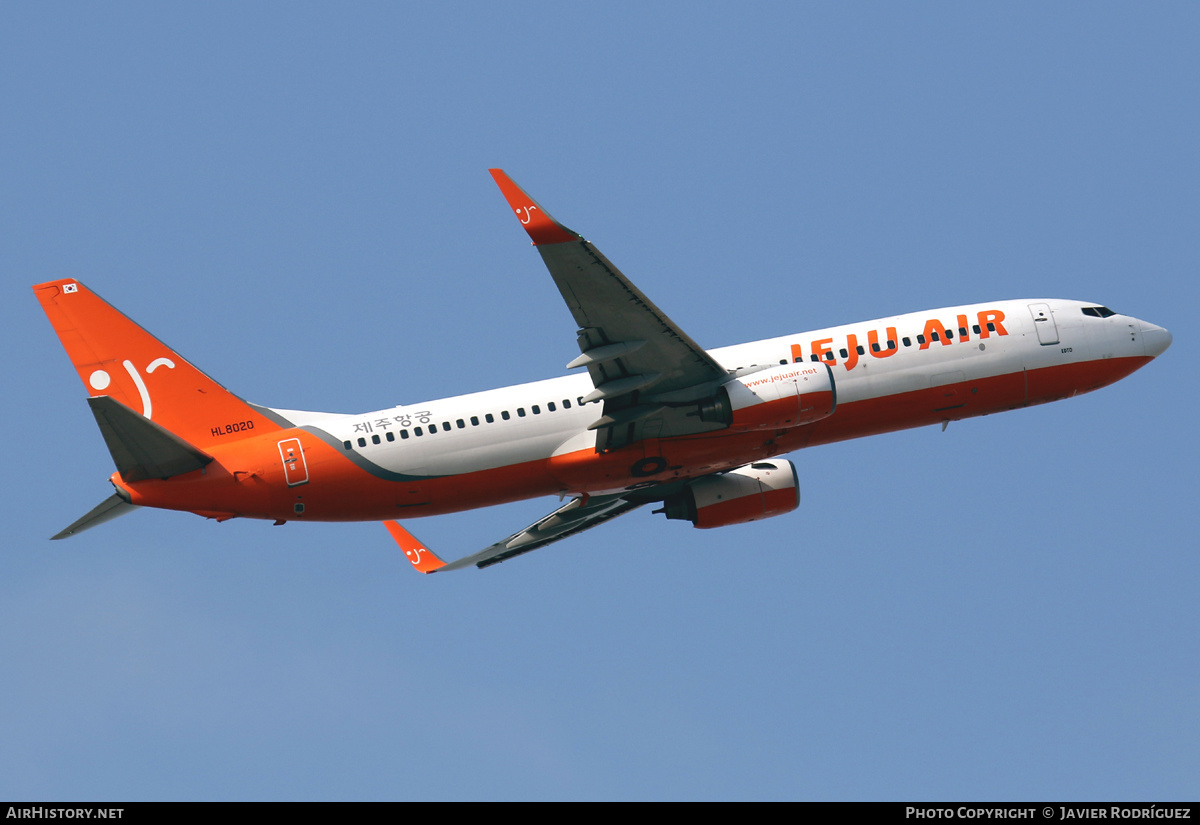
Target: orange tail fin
[{"x": 116, "y": 357}]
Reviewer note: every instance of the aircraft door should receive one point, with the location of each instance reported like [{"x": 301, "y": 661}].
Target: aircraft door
[
  {"x": 295, "y": 468},
  {"x": 1043, "y": 322}
]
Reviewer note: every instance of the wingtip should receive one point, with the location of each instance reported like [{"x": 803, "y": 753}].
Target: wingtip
[
  {"x": 418, "y": 555},
  {"x": 537, "y": 222}
]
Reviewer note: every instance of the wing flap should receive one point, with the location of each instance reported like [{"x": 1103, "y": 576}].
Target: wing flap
[
  {"x": 611, "y": 312},
  {"x": 632, "y": 350},
  {"x": 575, "y": 516}
]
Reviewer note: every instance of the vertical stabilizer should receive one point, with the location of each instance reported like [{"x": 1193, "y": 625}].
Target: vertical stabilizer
[{"x": 117, "y": 358}]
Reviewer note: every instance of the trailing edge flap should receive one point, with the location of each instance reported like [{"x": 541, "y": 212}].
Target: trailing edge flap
[
  {"x": 610, "y": 311},
  {"x": 575, "y": 516},
  {"x": 106, "y": 510},
  {"x": 140, "y": 448},
  {"x": 631, "y": 348}
]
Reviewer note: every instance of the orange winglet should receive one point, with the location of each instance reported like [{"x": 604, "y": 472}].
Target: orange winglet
[
  {"x": 418, "y": 555},
  {"x": 542, "y": 228}
]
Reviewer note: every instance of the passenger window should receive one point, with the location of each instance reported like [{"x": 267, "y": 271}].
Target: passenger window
[
  {"x": 566, "y": 403},
  {"x": 875, "y": 347},
  {"x": 921, "y": 339},
  {"x": 489, "y": 418},
  {"x": 375, "y": 439},
  {"x": 976, "y": 328},
  {"x": 474, "y": 421},
  {"x": 391, "y": 436},
  {"x": 536, "y": 409},
  {"x": 907, "y": 342},
  {"x": 362, "y": 442},
  {"x": 445, "y": 426},
  {"x": 862, "y": 351},
  {"x": 403, "y": 434},
  {"x": 417, "y": 431},
  {"x": 433, "y": 428},
  {"x": 504, "y": 414},
  {"x": 462, "y": 425},
  {"x": 346, "y": 444},
  {"x": 843, "y": 352},
  {"x": 551, "y": 407}
]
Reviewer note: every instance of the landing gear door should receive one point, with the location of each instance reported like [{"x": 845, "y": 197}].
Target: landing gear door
[
  {"x": 1043, "y": 322},
  {"x": 295, "y": 469}
]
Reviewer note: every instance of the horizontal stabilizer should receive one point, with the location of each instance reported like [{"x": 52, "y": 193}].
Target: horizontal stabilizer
[
  {"x": 140, "y": 448},
  {"x": 107, "y": 510}
]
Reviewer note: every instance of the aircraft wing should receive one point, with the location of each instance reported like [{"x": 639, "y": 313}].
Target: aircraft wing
[
  {"x": 575, "y": 516},
  {"x": 632, "y": 350}
]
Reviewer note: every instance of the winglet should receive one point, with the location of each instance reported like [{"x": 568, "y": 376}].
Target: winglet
[
  {"x": 542, "y": 228},
  {"x": 418, "y": 555}
]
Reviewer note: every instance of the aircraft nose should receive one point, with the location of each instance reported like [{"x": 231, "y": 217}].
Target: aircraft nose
[{"x": 1155, "y": 338}]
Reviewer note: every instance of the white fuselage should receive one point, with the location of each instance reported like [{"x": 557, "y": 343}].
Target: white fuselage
[{"x": 536, "y": 421}]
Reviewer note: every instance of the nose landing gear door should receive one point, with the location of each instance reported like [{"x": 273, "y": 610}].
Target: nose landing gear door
[
  {"x": 295, "y": 469},
  {"x": 1043, "y": 322}
]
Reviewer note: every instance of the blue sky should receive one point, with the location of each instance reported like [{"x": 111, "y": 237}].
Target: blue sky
[{"x": 295, "y": 197}]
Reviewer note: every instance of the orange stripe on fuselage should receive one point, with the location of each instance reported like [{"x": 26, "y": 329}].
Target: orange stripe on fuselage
[
  {"x": 247, "y": 478},
  {"x": 966, "y": 399}
]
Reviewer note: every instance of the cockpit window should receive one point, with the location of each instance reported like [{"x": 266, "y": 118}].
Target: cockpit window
[{"x": 1098, "y": 312}]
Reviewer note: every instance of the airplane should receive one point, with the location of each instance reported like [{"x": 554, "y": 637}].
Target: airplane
[{"x": 651, "y": 418}]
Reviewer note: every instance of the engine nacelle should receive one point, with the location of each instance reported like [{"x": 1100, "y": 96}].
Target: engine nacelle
[
  {"x": 749, "y": 493},
  {"x": 774, "y": 399}
]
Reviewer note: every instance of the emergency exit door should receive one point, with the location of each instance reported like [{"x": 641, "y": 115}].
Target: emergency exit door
[
  {"x": 295, "y": 469},
  {"x": 1043, "y": 322}
]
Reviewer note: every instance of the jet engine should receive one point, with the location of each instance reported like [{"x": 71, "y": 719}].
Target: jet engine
[
  {"x": 774, "y": 399},
  {"x": 749, "y": 493}
]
